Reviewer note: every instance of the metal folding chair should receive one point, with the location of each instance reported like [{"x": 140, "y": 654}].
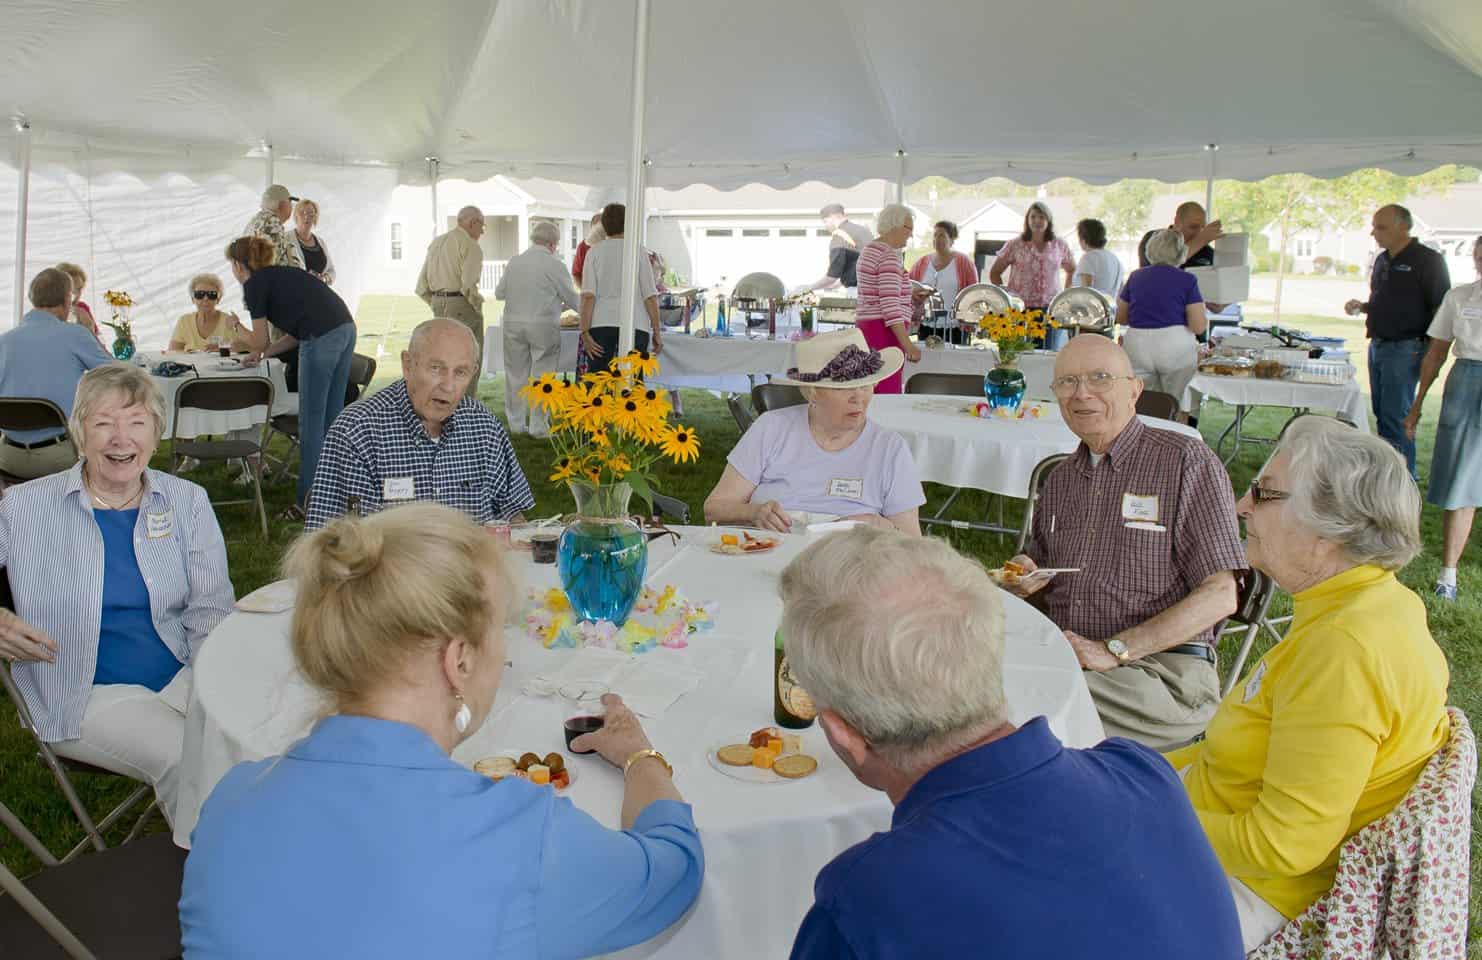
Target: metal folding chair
[
  {"x": 120, "y": 902},
  {"x": 946, "y": 384},
  {"x": 29, "y": 413},
  {"x": 1255, "y": 591},
  {"x": 743, "y": 417},
  {"x": 362, "y": 372},
  {"x": 1036, "y": 481},
  {"x": 219, "y": 394},
  {"x": 671, "y": 507},
  {"x": 775, "y": 396},
  {"x": 1152, "y": 403}
]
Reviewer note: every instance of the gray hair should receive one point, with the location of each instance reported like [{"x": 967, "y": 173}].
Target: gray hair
[
  {"x": 891, "y": 217},
  {"x": 1167, "y": 247},
  {"x": 427, "y": 328},
  {"x": 49, "y": 288},
  {"x": 205, "y": 280},
  {"x": 98, "y": 383},
  {"x": 544, "y": 231},
  {"x": 832, "y": 210},
  {"x": 1353, "y": 490},
  {"x": 469, "y": 214},
  {"x": 918, "y": 680}
]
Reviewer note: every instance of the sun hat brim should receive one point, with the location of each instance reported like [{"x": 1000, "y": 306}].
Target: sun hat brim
[{"x": 893, "y": 358}]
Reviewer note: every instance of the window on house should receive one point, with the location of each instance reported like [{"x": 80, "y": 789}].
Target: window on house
[
  {"x": 396, "y": 241},
  {"x": 756, "y": 233},
  {"x": 792, "y": 233},
  {"x": 712, "y": 232}
]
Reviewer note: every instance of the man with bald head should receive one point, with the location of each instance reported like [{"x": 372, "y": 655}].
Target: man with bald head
[
  {"x": 1148, "y": 517},
  {"x": 422, "y": 438},
  {"x": 449, "y": 281},
  {"x": 1406, "y": 288},
  {"x": 1189, "y": 221}
]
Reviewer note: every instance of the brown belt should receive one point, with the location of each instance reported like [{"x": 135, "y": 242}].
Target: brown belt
[{"x": 51, "y": 441}]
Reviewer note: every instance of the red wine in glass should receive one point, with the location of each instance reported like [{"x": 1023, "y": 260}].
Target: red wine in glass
[{"x": 576, "y": 726}]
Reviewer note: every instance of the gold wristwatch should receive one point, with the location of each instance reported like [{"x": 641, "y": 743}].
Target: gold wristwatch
[
  {"x": 644, "y": 755},
  {"x": 1118, "y": 649}
]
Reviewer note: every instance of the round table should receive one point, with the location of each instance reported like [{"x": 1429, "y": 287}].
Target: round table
[
  {"x": 764, "y": 843},
  {"x": 200, "y": 423},
  {"x": 952, "y": 447}
]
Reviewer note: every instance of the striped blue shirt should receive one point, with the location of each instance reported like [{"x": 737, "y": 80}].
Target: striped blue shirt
[
  {"x": 53, "y": 551},
  {"x": 377, "y": 451}
]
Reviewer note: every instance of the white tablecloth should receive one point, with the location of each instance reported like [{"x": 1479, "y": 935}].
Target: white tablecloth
[
  {"x": 1256, "y": 392},
  {"x": 764, "y": 843},
  {"x": 198, "y": 423},
  {"x": 989, "y": 454}
]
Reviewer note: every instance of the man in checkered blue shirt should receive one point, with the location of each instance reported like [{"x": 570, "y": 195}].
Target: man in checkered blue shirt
[{"x": 422, "y": 439}]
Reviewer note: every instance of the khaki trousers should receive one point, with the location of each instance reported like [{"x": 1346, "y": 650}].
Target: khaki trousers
[
  {"x": 41, "y": 462},
  {"x": 458, "y": 308},
  {"x": 1161, "y": 701}
]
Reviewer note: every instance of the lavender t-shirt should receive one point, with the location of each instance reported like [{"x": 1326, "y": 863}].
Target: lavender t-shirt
[
  {"x": 1156, "y": 297},
  {"x": 874, "y": 474}
]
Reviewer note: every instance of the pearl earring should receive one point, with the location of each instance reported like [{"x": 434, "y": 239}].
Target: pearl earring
[{"x": 463, "y": 717}]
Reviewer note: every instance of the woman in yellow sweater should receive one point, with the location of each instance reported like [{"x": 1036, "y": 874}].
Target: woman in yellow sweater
[{"x": 1332, "y": 727}]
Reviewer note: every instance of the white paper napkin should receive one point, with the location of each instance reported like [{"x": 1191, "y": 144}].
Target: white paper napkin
[
  {"x": 274, "y": 598},
  {"x": 649, "y": 683}
]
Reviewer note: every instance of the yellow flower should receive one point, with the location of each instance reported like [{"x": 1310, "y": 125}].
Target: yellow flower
[
  {"x": 618, "y": 465},
  {"x": 549, "y": 392},
  {"x": 658, "y": 401},
  {"x": 632, "y": 415},
  {"x": 591, "y": 408},
  {"x": 641, "y": 363},
  {"x": 565, "y": 470},
  {"x": 680, "y": 444},
  {"x": 591, "y": 468},
  {"x": 555, "y": 599}
]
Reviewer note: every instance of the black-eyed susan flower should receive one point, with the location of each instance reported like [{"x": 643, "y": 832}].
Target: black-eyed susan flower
[{"x": 680, "y": 444}]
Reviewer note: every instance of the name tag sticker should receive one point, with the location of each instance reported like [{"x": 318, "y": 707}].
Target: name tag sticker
[
  {"x": 159, "y": 525},
  {"x": 1472, "y": 312},
  {"x": 1253, "y": 685},
  {"x": 1135, "y": 507},
  {"x": 846, "y": 489},
  {"x": 398, "y": 488}
]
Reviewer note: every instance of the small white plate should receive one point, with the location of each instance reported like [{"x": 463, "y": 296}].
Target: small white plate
[{"x": 750, "y": 774}]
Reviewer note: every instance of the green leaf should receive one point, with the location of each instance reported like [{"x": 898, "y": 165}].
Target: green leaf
[{"x": 639, "y": 483}]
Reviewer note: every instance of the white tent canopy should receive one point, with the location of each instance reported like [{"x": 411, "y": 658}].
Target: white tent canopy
[{"x": 771, "y": 91}]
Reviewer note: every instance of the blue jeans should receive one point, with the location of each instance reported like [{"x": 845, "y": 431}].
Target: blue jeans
[
  {"x": 323, "y": 371},
  {"x": 1394, "y": 373}
]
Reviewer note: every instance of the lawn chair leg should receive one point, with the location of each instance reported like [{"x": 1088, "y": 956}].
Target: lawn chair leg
[
  {"x": 262, "y": 511},
  {"x": 94, "y": 836},
  {"x": 1239, "y": 662},
  {"x": 138, "y": 829},
  {"x": 28, "y": 839}
]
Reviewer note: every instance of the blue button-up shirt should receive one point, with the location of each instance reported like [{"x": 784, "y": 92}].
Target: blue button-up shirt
[
  {"x": 366, "y": 840},
  {"x": 45, "y": 357},
  {"x": 378, "y": 445},
  {"x": 53, "y": 551},
  {"x": 1022, "y": 848}
]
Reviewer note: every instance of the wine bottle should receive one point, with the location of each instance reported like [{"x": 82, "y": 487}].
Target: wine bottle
[{"x": 791, "y": 705}]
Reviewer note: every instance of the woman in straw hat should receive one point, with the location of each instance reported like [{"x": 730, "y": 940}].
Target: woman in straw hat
[{"x": 824, "y": 459}]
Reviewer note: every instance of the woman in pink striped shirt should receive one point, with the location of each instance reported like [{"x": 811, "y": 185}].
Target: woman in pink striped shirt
[{"x": 886, "y": 305}]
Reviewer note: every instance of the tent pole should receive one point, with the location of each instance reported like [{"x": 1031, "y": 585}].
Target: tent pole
[
  {"x": 1211, "y": 148},
  {"x": 267, "y": 153},
  {"x": 634, "y": 218},
  {"x": 432, "y": 165},
  {"x": 900, "y": 176},
  {"x": 22, "y": 207}
]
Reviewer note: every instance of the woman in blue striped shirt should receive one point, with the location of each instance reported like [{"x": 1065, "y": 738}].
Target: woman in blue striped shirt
[{"x": 119, "y": 572}]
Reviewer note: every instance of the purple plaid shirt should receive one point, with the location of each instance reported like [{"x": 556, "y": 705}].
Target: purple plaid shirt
[{"x": 1173, "y": 488}]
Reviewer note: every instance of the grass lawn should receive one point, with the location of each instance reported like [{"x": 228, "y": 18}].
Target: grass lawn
[{"x": 385, "y": 323}]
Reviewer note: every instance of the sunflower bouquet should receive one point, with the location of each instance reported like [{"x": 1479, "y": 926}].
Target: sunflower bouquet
[
  {"x": 1014, "y": 331},
  {"x": 121, "y": 302},
  {"x": 609, "y": 428}
]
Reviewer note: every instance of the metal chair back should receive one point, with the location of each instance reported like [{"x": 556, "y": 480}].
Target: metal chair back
[
  {"x": 220, "y": 395},
  {"x": 1152, "y": 403},
  {"x": 30, "y": 413},
  {"x": 946, "y": 384},
  {"x": 775, "y": 396},
  {"x": 362, "y": 372},
  {"x": 1254, "y": 591},
  {"x": 1042, "y": 471},
  {"x": 743, "y": 417},
  {"x": 671, "y": 507}
]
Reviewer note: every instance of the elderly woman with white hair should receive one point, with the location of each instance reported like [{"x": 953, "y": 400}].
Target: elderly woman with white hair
[
  {"x": 119, "y": 573},
  {"x": 991, "y": 818},
  {"x": 1164, "y": 314},
  {"x": 207, "y": 328},
  {"x": 824, "y": 459},
  {"x": 886, "y": 305},
  {"x": 1335, "y": 723},
  {"x": 1034, "y": 259},
  {"x": 313, "y": 253},
  {"x": 534, "y": 288}
]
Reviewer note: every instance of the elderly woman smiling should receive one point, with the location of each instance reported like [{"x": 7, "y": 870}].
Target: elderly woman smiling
[
  {"x": 207, "y": 328},
  {"x": 400, "y": 622},
  {"x": 1335, "y": 723},
  {"x": 826, "y": 457},
  {"x": 119, "y": 572}
]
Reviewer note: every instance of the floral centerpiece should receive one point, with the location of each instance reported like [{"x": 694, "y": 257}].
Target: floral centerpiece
[
  {"x": 1013, "y": 332},
  {"x": 123, "y": 328},
  {"x": 608, "y": 429}
]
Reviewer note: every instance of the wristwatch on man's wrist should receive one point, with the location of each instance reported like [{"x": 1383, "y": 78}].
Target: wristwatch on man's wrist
[{"x": 1118, "y": 649}]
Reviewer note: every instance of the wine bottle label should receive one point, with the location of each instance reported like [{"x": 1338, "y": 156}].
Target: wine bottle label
[{"x": 795, "y": 699}]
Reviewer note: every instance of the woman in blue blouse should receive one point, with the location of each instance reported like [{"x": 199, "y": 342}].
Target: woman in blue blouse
[
  {"x": 365, "y": 839},
  {"x": 119, "y": 573}
]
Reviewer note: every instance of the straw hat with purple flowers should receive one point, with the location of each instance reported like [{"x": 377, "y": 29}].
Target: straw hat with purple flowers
[{"x": 840, "y": 360}]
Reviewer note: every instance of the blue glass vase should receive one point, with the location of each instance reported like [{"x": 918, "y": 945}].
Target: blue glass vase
[
  {"x": 602, "y": 556},
  {"x": 1003, "y": 386},
  {"x": 123, "y": 348}
]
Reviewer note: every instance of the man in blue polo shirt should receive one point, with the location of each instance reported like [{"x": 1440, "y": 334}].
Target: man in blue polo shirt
[
  {"x": 1004, "y": 843},
  {"x": 45, "y": 356}
]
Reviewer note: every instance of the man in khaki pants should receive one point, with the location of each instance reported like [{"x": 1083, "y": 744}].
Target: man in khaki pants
[
  {"x": 45, "y": 356},
  {"x": 449, "y": 282}
]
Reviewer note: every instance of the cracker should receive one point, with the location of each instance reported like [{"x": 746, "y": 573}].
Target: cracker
[
  {"x": 495, "y": 768},
  {"x": 735, "y": 755},
  {"x": 794, "y": 767}
]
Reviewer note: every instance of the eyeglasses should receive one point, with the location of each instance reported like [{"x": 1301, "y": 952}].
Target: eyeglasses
[
  {"x": 1098, "y": 382},
  {"x": 206, "y": 295},
  {"x": 1260, "y": 494}
]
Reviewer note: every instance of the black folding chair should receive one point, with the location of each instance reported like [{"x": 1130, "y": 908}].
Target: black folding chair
[
  {"x": 946, "y": 384},
  {"x": 672, "y": 508},
  {"x": 217, "y": 395},
  {"x": 362, "y": 372},
  {"x": 1036, "y": 483},
  {"x": 1152, "y": 403},
  {"x": 30, "y": 413},
  {"x": 775, "y": 396},
  {"x": 1255, "y": 591},
  {"x": 743, "y": 417}
]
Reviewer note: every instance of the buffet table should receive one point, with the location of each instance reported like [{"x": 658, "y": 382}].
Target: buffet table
[
  {"x": 198, "y": 423},
  {"x": 1245, "y": 393},
  {"x": 764, "y": 842}
]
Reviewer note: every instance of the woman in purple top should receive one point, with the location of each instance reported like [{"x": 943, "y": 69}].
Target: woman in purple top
[{"x": 1164, "y": 312}]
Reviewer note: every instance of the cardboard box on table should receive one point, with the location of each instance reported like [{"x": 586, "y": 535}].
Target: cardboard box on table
[{"x": 1228, "y": 281}]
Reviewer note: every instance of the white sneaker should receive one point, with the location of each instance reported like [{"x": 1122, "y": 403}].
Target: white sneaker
[{"x": 187, "y": 464}]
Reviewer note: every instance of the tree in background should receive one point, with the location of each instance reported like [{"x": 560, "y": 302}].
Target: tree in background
[{"x": 1124, "y": 207}]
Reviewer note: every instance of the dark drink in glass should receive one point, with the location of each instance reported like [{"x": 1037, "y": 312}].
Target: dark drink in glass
[
  {"x": 226, "y": 350},
  {"x": 576, "y": 726}
]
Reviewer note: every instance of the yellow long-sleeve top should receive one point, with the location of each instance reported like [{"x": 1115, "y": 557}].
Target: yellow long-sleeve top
[{"x": 1325, "y": 735}]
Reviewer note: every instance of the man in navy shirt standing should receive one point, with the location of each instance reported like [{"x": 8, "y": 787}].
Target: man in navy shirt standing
[
  {"x": 1406, "y": 288},
  {"x": 1004, "y": 843}
]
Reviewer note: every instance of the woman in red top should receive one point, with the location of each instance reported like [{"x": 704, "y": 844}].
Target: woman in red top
[
  {"x": 82, "y": 314},
  {"x": 595, "y": 235},
  {"x": 886, "y": 305},
  {"x": 948, "y": 272}
]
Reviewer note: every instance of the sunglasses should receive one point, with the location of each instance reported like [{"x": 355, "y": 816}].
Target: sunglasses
[
  {"x": 206, "y": 295},
  {"x": 1260, "y": 494}
]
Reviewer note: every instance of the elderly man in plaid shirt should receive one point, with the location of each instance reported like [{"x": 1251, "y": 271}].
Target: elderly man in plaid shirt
[
  {"x": 1148, "y": 516},
  {"x": 422, "y": 439}
]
